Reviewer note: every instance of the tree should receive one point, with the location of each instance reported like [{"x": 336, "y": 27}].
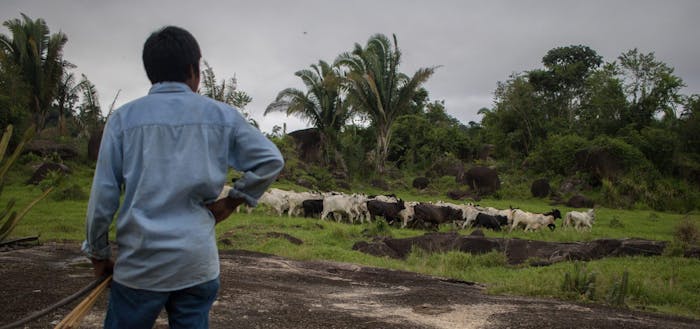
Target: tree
[
  {"x": 603, "y": 103},
  {"x": 517, "y": 123},
  {"x": 690, "y": 125},
  {"x": 651, "y": 88},
  {"x": 377, "y": 88},
  {"x": 90, "y": 118},
  {"x": 14, "y": 96},
  {"x": 418, "y": 140},
  {"x": 563, "y": 80},
  {"x": 38, "y": 56},
  {"x": 226, "y": 92},
  {"x": 67, "y": 96},
  {"x": 321, "y": 105}
]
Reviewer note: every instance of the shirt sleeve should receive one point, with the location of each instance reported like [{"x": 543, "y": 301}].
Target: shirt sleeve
[
  {"x": 257, "y": 157},
  {"x": 105, "y": 192}
]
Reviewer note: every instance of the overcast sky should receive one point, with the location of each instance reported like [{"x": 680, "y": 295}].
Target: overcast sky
[{"x": 475, "y": 43}]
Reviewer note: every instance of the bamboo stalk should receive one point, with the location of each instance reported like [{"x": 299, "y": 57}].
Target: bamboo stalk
[{"x": 72, "y": 320}]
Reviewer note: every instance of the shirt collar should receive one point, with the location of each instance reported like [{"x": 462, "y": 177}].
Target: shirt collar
[{"x": 169, "y": 87}]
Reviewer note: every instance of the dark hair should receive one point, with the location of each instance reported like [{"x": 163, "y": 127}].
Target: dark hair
[{"x": 169, "y": 53}]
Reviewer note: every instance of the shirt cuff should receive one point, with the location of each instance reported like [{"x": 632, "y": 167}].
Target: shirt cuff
[
  {"x": 104, "y": 253},
  {"x": 236, "y": 194}
]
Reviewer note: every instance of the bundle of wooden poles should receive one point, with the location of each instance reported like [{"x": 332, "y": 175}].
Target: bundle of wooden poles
[{"x": 72, "y": 320}]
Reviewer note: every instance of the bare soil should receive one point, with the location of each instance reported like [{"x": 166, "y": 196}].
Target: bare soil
[{"x": 264, "y": 291}]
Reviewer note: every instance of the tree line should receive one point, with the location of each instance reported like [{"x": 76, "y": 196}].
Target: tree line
[
  {"x": 554, "y": 121},
  {"x": 39, "y": 87},
  {"x": 374, "y": 118}
]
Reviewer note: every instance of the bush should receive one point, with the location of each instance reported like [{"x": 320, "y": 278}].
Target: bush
[
  {"x": 616, "y": 223},
  {"x": 73, "y": 192},
  {"x": 687, "y": 232},
  {"x": 685, "y": 235},
  {"x": 557, "y": 154},
  {"x": 379, "y": 228},
  {"x": 619, "y": 290},
  {"x": 579, "y": 283}
]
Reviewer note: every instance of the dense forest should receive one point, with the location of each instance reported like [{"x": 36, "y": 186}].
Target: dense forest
[{"x": 619, "y": 131}]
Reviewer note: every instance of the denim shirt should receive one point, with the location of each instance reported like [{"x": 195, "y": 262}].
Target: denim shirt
[{"x": 169, "y": 153}]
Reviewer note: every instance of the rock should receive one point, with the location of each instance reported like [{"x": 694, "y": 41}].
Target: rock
[
  {"x": 580, "y": 201},
  {"x": 47, "y": 148},
  {"x": 43, "y": 171},
  {"x": 420, "y": 183},
  {"x": 380, "y": 184},
  {"x": 540, "y": 188},
  {"x": 482, "y": 180}
]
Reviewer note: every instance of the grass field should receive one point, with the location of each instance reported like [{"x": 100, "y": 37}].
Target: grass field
[{"x": 660, "y": 284}]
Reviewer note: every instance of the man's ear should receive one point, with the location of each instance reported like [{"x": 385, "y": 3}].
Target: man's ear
[{"x": 193, "y": 79}]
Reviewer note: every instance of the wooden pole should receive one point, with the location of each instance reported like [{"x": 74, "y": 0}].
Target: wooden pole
[{"x": 72, "y": 320}]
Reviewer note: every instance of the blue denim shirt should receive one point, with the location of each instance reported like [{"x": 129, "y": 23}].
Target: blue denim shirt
[{"x": 169, "y": 152}]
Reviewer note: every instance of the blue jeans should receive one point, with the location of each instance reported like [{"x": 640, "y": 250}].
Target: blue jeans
[{"x": 135, "y": 308}]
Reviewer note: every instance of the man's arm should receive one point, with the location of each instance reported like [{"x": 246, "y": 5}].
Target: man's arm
[
  {"x": 104, "y": 199},
  {"x": 259, "y": 160}
]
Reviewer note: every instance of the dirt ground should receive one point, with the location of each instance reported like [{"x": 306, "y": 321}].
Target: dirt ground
[{"x": 264, "y": 291}]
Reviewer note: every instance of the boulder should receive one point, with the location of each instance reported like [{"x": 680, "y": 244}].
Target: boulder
[
  {"x": 580, "y": 201},
  {"x": 420, "y": 183},
  {"x": 44, "y": 170},
  {"x": 482, "y": 180},
  {"x": 540, "y": 188}
]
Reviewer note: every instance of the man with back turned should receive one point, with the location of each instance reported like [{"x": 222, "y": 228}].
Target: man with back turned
[{"x": 169, "y": 153}]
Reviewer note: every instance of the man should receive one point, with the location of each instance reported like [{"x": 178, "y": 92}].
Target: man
[{"x": 169, "y": 152}]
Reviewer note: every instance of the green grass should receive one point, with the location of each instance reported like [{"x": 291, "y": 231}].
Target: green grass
[{"x": 661, "y": 284}]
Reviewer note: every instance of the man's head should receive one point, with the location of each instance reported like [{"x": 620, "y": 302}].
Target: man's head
[{"x": 172, "y": 54}]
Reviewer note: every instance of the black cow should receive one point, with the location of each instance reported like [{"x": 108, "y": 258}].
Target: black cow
[
  {"x": 388, "y": 210},
  {"x": 556, "y": 214},
  {"x": 312, "y": 207},
  {"x": 490, "y": 222},
  {"x": 436, "y": 215}
]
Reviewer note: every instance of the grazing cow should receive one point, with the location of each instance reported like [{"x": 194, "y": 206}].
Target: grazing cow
[
  {"x": 579, "y": 219},
  {"x": 497, "y": 212},
  {"x": 384, "y": 198},
  {"x": 534, "y": 221},
  {"x": 468, "y": 211},
  {"x": 312, "y": 207},
  {"x": 350, "y": 205},
  {"x": 490, "y": 222},
  {"x": 407, "y": 214},
  {"x": 389, "y": 210},
  {"x": 275, "y": 201},
  {"x": 436, "y": 215},
  {"x": 294, "y": 200}
]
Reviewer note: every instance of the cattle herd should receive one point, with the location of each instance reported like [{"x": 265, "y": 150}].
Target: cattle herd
[{"x": 358, "y": 208}]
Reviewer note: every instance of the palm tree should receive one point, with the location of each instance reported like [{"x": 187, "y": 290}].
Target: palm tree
[
  {"x": 377, "y": 88},
  {"x": 90, "y": 117},
  {"x": 38, "y": 57},
  {"x": 67, "y": 95},
  {"x": 226, "y": 92},
  {"x": 321, "y": 105}
]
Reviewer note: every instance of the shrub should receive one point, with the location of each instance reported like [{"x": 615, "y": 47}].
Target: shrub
[
  {"x": 9, "y": 218},
  {"x": 619, "y": 290},
  {"x": 378, "y": 228},
  {"x": 685, "y": 235},
  {"x": 557, "y": 154},
  {"x": 579, "y": 283},
  {"x": 687, "y": 232},
  {"x": 616, "y": 223},
  {"x": 73, "y": 192}
]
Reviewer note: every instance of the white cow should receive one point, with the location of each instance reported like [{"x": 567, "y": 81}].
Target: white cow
[
  {"x": 580, "y": 220},
  {"x": 531, "y": 221}
]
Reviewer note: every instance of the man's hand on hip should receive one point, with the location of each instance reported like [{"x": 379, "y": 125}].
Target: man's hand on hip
[{"x": 223, "y": 208}]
